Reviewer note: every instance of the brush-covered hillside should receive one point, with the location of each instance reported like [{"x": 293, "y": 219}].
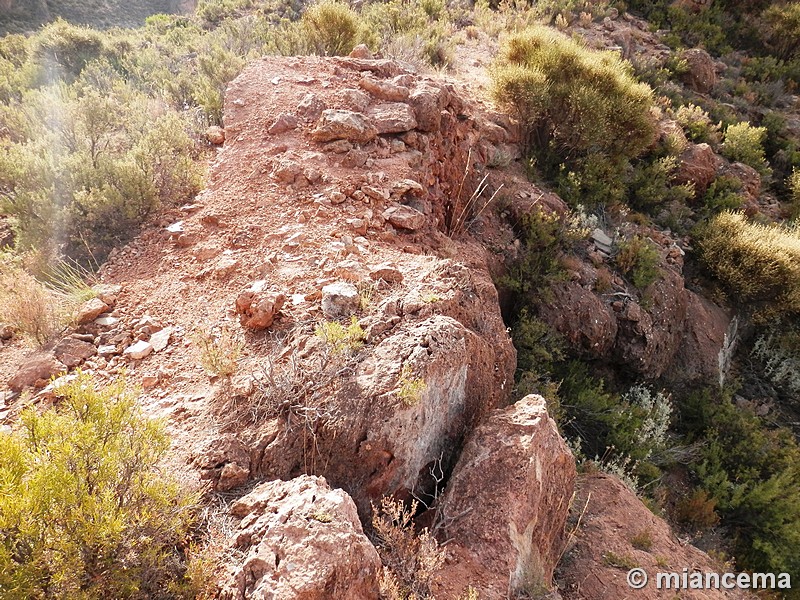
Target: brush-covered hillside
[
  {"x": 19, "y": 16},
  {"x": 399, "y": 300}
]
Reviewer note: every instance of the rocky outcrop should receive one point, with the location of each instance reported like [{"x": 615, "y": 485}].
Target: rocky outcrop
[
  {"x": 705, "y": 328},
  {"x": 300, "y": 539},
  {"x": 385, "y": 169},
  {"x": 648, "y": 340},
  {"x": 589, "y": 324},
  {"x": 617, "y": 533},
  {"x": 506, "y": 504}
]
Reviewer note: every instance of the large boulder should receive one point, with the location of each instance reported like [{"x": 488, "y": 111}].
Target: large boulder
[
  {"x": 584, "y": 319},
  {"x": 704, "y": 335},
  {"x": 698, "y": 166},
  {"x": 506, "y": 504},
  {"x": 647, "y": 340},
  {"x": 700, "y": 76},
  {"x": 300, "y": 539},
  {"x": 618, "y": 532}
]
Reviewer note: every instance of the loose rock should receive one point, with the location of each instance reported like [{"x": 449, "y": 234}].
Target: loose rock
[
  {"x": 340, "y": 300},
  {"x": 257, "y": 307},
  {"x": 343, "y": 125}
]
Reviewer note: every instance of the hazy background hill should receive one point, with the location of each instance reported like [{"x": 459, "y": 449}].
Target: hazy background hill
[{"x": 24, "y": 15}]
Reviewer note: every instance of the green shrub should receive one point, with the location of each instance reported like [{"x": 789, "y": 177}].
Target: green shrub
[
  {"x": 627, "y": 430},
  {"x": 758, "y": 263},
  {"x": 63, "y": 50},
  {"x": 543, "y": 235},
  {"x": 574, "y": 99},
  {"x": 724, "y": 193},
  {"x": 638, "y": 259},
  {"x": 340, "y": 339},
  {"x": 781, "y": 29},
  {"x": 745, "y": 143},
  {"x": 331, "y": 28},
  {"x": 651, "y": 184},
  {"x": 753, "y": 473},
  {"x": 84, "y": 511}
]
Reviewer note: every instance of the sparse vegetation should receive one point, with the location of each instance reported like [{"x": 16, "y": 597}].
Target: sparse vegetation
[
  {"x": 219, "y": 349},
  {"x": 643, "y": 540},
  {"x": 410, "y": 559},
  {"x": 34, "y": 311}
]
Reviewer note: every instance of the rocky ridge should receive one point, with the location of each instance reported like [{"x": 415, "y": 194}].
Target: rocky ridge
[{"x": 343, "y": 191}]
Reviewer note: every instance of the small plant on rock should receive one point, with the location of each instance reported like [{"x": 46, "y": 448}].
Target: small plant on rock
[
  {"x": 410, "y": 388},
  {"x": 643, "y": 540},
  {"x": 340, "y": 339},
  {"x": 219, "y": 349}
]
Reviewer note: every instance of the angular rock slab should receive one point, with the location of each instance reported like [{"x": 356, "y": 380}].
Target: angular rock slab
[
  {"x": 508, "y": 499},
  {"x": 301, "y": 539},
  {"x": 343, "y": 125}
]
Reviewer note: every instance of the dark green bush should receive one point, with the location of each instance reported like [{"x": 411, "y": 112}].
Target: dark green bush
[
  {"x": 753, "y": 473},
  {"x": 84, "y": 510}
]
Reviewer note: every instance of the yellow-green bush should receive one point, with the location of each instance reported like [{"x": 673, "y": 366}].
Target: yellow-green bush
[
  {"x": 331, "y": 28},
  {"x": 576, "y": 100},
  {"x": 745, "y": 143},
  {"x": 757, "y": 262},
  {"x": 84, "y": 511},
  {"x": 781, "y": 29}
]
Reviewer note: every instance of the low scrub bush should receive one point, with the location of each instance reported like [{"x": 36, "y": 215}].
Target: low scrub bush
[
  {"x": 558, "y": 88},
  {"x": 745, "y": 143},
  {"x": 84, "y": 511},
  {"x": 584, "y": 112},
  {"x": 218, "y": 350},
  {"x": 780, "y": 29},
  {"x": 759, "y": 263},
  {"x": 627, "y": 430},
  {"x": 697, "y": 125},
  {"x": 37, "y": 313},
  {"x": 638, "y": 259},
  {"x": 330, "y": 28},
  {"x": 340, "y": 339}
]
